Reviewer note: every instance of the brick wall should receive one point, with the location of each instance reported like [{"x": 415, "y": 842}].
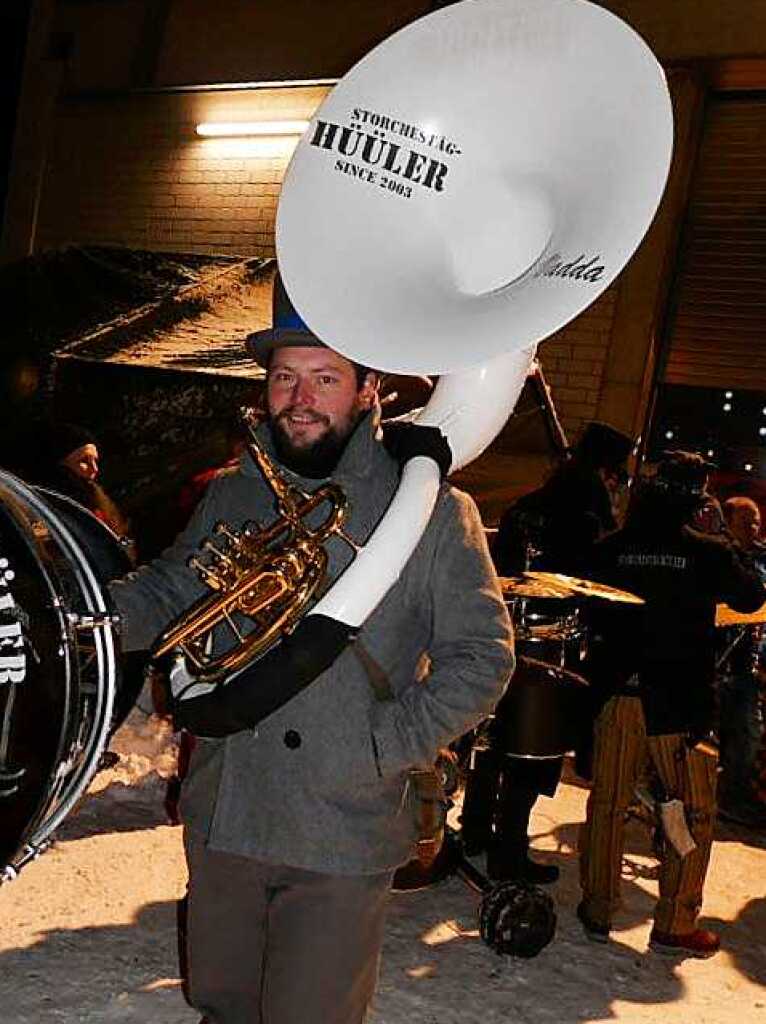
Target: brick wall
[
  {"x": 573, "y": 361},
  {"x": 131, "y": 171}
]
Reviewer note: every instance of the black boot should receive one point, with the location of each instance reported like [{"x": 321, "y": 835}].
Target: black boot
[
  {"x": 479, "y": 802},
  {"x": 508, "y": 854}
]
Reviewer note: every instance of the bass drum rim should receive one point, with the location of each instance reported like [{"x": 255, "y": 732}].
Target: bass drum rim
[{"x": 111, "y": 560}]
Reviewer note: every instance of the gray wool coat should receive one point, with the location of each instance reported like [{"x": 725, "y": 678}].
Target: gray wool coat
[{"x": 322, "y": 783}]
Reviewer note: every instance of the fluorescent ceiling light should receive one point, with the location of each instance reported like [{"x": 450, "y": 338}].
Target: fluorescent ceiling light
[{"x": 233, "y": 129}]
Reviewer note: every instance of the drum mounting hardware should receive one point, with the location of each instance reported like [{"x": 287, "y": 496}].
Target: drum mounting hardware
[
  {"x": 79, "y": 621},
  {"x": 29, "y": 853}
]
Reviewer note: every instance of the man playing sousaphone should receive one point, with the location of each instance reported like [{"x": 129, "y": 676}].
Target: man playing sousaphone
[
  {"x": 297, "y": 812},
  {"x": 293, "y": 828}
]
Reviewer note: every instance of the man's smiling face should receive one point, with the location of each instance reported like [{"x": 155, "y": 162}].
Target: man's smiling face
[{"x": 314, "y": 402}]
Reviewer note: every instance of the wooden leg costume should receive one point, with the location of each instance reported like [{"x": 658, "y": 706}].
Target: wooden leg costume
[{"x": 622, "y": 749}]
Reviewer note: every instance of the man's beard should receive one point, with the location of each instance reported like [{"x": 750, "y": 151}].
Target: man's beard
[{"x": 317, "y": 460}]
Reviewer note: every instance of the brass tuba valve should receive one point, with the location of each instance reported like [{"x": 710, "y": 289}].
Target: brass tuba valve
[{"x": 262, "y": 578}]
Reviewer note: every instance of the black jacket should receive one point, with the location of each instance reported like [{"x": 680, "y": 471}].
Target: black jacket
[
  {"x": 669, "y": 642},
  {"x": 562, "y": 519}
]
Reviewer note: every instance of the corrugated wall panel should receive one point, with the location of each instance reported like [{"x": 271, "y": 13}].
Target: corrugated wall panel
[{"x": 718, "y": 332}]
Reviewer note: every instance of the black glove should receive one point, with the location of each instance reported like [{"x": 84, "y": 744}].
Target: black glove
[
  {"x": 404, "y": 441},
  {"x": 267, "y": 684}
]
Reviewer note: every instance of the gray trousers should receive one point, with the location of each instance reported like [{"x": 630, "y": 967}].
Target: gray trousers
[{"x": 269, "y": 944}]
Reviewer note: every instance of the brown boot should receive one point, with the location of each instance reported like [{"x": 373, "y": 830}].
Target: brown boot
[{"x": 700, "y": 943}]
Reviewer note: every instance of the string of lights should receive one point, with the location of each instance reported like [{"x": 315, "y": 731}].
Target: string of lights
[{"x": 727, "y": 426}]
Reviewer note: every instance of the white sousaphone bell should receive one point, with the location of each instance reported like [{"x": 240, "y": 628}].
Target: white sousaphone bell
[{"x": 469, "y": 187}]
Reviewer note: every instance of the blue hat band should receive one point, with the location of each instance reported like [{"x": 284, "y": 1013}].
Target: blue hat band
[{"x": 289, "y": 320}]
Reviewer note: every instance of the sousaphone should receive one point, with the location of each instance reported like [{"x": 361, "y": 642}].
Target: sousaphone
[{"x": 467, "y": 189}]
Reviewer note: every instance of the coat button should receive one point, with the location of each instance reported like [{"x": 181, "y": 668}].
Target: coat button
[{"x": 292, "y": 739}]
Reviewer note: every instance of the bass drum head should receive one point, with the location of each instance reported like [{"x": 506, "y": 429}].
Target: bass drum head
[
  {"x": 58, "y": 671},
  {"x": 35, "y": 690}
]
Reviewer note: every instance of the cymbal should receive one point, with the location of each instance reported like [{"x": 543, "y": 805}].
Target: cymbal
[
  {"x": 520, "y": 586},
  {"x": 588, "y": 588},
  {"x": 726, "y": 616}
]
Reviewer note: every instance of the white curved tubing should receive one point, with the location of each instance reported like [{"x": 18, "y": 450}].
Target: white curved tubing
[{"x": 470, "y": 407}]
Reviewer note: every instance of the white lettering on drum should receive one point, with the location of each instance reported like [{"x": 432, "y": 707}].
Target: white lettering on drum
[
  {"x": 13, "y": 670},
  {"x": 12, "y": 667}
]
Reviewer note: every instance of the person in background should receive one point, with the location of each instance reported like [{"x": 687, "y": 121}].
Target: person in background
[
  {"x": 739, "y": 718},
  {"x": 70, "y": 464},
  {"x": 550, "y": 529},
  {"x": 190, "y": 495},
  {"x": 653, "y": 666}
]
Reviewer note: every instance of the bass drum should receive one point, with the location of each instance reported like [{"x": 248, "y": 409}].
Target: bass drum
[
  {"x": 541, "y": 714},
  {"x": 59, "y": 670}
]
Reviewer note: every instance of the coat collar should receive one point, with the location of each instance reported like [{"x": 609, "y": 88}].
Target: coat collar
[{"x": 362, "y": 457}]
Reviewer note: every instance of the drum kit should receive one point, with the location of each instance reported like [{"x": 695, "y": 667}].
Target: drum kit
[
  {"x": 541, "y": 713},
  {"x": 539, "y": 718},
  {"x": 726, "y": 616},
  {"x": 738, "y": 626}
]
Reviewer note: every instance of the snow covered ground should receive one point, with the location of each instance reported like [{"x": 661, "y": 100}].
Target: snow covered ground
[{"x": 87, "y": 933}]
